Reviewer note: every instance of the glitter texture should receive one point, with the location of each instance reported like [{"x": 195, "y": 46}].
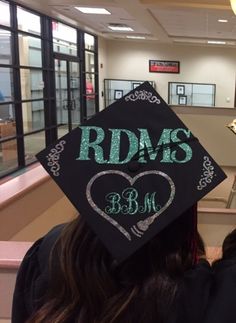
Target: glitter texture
[
  {"x": 54, "y": 157},
  {"x": 143, "y": 96},
  {"x": 97, "y": 209},
  {"x": 115, "y": 146},
  {"x": 208, "y": 173},
  {"x": 86, "y": 144},
  {"x": 141, "y": 226},
  {"x": 184, "y": 146}
]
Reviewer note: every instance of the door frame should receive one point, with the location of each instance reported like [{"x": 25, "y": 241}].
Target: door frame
[{"x": 68, "y": 59}]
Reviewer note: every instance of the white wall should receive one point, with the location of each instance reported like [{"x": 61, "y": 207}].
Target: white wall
[
  {"x": 213, "y": 134},
  {"x": 217, "y": 65}
]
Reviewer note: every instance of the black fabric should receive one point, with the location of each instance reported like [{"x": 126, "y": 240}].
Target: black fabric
[
  {"x": 32, "y": 278},
  {"x": 32, "y": 284},
  {"x": 193, "y": 296},
  {"x": 222, "y": 306}
]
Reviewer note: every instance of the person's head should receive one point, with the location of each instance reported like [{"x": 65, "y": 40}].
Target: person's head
[
  {"x": 98, "y": 289},
  {"x": 132, "y": 171}
]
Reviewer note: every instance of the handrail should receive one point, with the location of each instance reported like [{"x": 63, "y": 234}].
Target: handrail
[
  {"x": 215, "y": 199},
  {"x": 12, "y": 253},
  {"x": 219, "y": 210},
  {"x": 18, "y": 186},
  {"x": 217, "y": 111}
]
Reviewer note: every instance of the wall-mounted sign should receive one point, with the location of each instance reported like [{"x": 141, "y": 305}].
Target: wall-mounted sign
[
  {"x": 180, "y": 89},
  {"x": 118, "y": 94},
  {"x": 182, "y": 99},
  {"x": 156, "y": 66}
]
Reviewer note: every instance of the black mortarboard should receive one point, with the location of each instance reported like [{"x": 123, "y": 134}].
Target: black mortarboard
[
  {"x": 131, "y": 170},
  {"x": 232, "y": 126}
]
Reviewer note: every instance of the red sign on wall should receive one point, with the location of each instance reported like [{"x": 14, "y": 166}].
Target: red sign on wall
[{"x": 156, "y": 66}]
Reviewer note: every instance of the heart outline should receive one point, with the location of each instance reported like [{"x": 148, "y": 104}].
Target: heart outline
[{"x": 142, "y": 225}]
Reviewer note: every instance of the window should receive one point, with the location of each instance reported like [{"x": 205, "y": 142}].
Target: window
[
  {"x": 116, "y": 88},
  {"x": 89, "y": 62},
  {"x": 6, "y": 85},
  {"x": 33, "y": 116},
  {"x": 31, "y": 84},
  {"x": 41, "y": 95},
  {"x": 90, "y": 74},
  {"x": 5, "y": 13},
  {"x": 30, "y": 51},
  {"x": 28, "y": 22},
  {"x": 64, "y": 39},
  {"x": 8, "y": 153},
  {"x": 5, "y": 46},
  {"x": 33, "y": 144},
  {"x": 192, "y": 94},
  {"x": 89, "y": 41}
]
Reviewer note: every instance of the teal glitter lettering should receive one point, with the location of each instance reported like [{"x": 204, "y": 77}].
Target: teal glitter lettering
[
  {"x": 86, "y": 145},
  {"x": 128, "y": 202},
  {"x": 149, "y": 204},
  {"x": 184, "y": 146},
  {"x": 130, "y": 195},
  {"x": 115, "y": 146},
  {"x": 114, "y": 199},
  {"x": 146, "y": 142},
  {"x": 165, "y": 139}
]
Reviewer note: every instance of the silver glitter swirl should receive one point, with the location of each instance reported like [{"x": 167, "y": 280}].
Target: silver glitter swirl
[
  {"x": 142, "y": 225},
  {"x": 208, "y": 173},
  {"x": 54, "y": 157},
  {"x": 144, "y": 96}
]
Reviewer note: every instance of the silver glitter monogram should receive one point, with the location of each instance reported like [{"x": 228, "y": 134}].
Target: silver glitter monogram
[
  {"x": 208, "y": 173},
  {"x": 54, "y": 157},
  {"x": 141, "y": 226},
  {"x": 144, "y": 96}
]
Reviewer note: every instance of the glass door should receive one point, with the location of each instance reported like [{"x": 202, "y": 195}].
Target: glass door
[{"x": 67, "y": 82}]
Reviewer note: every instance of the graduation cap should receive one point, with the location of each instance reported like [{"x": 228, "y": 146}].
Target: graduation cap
[
  {"x": 232, "y": 126},
  {"x": 131, "y": 170}
]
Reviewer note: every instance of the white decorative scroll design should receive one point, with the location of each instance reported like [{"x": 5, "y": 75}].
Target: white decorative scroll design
[
  {"x": 208, "y": 173},
  {"x": 144, "y": 96},
  {"x": 54, "y": 157}
]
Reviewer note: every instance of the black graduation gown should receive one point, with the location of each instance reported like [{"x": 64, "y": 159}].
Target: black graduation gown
[
  {"x": 32, "y": 277},
  {"x": 222, "y": 301},
  {"x": 32, "y": 282}
]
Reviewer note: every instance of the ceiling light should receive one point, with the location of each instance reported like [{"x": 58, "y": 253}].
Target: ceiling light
[
  {"x": 233, "y": 5},
  {"x": 96, "y": 11},
  {"x": 218, "y": 42},
  {"x": 222, "y": 20},
  {"x": 119, "y": 27},
  {"x": 136, "y": 37}
]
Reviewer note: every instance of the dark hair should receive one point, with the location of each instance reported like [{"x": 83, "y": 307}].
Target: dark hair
[
  {"x": 201, "y": 252},
  {"x": 90, "y": 286}
]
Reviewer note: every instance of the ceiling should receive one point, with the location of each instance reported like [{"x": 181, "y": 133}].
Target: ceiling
[{"x": 174, "y": 21}]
